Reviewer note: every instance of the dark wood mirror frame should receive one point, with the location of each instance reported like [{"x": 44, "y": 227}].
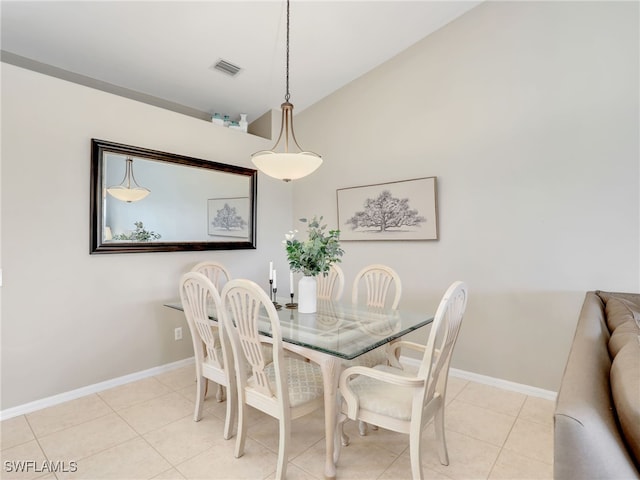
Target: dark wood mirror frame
[{"x": 98, "y": 244}]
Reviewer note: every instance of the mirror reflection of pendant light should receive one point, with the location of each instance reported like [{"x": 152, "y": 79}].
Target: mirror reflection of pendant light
[
  {"x": 286, "y": 165},
  {"x": 128, "y": 190}
]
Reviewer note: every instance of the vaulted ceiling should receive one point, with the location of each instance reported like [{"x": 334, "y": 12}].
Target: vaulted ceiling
[{"x": 166, "y": 49}]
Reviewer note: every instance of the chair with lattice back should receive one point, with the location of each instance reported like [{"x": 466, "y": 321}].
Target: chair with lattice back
[
  {"x": 214, "y": 271},
  {"x": 285, "y": 388},
  {"x": 213, "y": 357},
  {"x": 379, "y": 282},
  {"x": 405, "y": 402},
  {"x": 331, "y": 285}
]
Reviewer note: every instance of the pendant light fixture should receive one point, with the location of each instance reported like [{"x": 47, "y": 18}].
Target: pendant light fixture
[
  {"x": 285, "y": 164},
  {"x": 128, "y": 190}
]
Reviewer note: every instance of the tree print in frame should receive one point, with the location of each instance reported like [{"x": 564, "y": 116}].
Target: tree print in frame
[
  {"x": 404, "y": 210},
  {"x": 227, "y": 217}
]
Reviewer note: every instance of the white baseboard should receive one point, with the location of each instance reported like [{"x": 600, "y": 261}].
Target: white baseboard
[
  {"x": 494, "y": 382},
  {"x": 115, "y": 382},
  {"x": 89, "y": 389}
]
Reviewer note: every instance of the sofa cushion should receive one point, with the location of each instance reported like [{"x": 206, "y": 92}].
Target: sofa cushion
[
  {"x": 620, "y": 311},
  {"x": 622, "y": 315},
  {"x": 625, "y": 389},
  {"x": 625, "y": 333}
]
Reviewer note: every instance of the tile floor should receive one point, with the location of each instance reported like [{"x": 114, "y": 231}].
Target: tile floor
[{"x": 146, "y": 430}]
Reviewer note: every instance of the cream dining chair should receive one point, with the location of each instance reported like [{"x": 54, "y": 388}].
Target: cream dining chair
[
  {"x": 219, "y": 276},
  {"x": 404, "y": 402},
  {"x": 331, "y": 286},
  {"x": 214, "y": 271},
  {"x": 286, "y": 388},
  {"x": 378, "y": 282},
  {"x": 213, "y": 357}
]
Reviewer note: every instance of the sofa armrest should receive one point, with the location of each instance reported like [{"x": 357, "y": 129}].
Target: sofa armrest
[{"x": 587, "y": 440}]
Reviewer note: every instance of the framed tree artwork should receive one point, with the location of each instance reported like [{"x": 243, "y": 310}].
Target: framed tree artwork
[
  {"x": 404, "y": 210},
  {"x": 228, "y": 217}
]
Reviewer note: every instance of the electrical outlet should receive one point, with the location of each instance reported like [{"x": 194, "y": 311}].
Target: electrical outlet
[{"x": 177, "y": 333}]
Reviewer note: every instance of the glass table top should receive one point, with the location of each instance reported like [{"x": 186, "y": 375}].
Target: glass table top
[{"x": 340, "y": 329}]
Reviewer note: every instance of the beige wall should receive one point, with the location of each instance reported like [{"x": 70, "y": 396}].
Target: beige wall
[
  {"x": 526, "y": 112},
  {"x": 70, "y": 319},
  {"x": 528, "y": 115}
]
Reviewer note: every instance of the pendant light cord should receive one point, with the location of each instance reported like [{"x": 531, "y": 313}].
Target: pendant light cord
[{"x": 287, "y": 96}]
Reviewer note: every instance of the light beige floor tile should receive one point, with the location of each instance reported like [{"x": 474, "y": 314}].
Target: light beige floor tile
[
  {"x": 393, "y": 441},
  {"x": 253, "y": 415},
  {"x": 133, "y": 393},
  {"x": 210, "y": 402},
  {"x": 492, "y": 398},
  {"x": 513, "y": 466},
  {"x": 133, "y": 460},
  {"x": 179, "y": 378},
  {"x": 219, "y": 462},
  {"x": 531, "y": 439},
  {"x": 67, "y": 414},
  {"x": 184, "y": 438},
  {"x": 15, "y": 431},
  {"x": 361, "y": 459},
  {"x": 538, "y": 410},
  {"x": 454, "y": 386},
  {"x": 295, "y": 473},
  {"x": 153, "y": 414},
  {"x": 171, "y": 474},
  {"x": 83, "y": 440},
  {"x": 305, "y": 432},
  {"x": 401, "y": 470},
  {"x": 468, "y": 457},
  {"x": 13, "y": 461},
  {"x": 478, "y": 422}
]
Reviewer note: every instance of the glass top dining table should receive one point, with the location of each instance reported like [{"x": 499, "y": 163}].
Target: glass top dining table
[
  {"x": 343, "y": 330},
  {"x": 336, "y": 332}
]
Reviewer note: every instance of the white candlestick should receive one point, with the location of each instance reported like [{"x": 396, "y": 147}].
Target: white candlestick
[
  {"x": 274, "y": 280},
  {"x": 270, "y": 270},
  {"x": 290, "y": 282}
]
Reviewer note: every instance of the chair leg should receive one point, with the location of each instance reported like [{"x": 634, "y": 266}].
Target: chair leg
[
  {"x": 344, "y": 438},
  {"x": 438, "y": 423},
  {"x": 242, "y": 428},
  {"x": 220, "y": 396},
  {"x": 283, "y": 449},
  {"x": 201, "y": 383},
  {"x": 230, "y": 417},
  {"x": 415, "y": 453},
  {"x": 362, "y": 428}
]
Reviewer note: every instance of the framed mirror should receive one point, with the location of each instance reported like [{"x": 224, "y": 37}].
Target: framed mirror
[{"x": 148, "y": 201}]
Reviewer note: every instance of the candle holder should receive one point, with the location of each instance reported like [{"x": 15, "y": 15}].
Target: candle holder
[
  {"x": 271, "y": 289},
  {"x": 275, "y": 299},
  {"x": 291, "y": 304}
]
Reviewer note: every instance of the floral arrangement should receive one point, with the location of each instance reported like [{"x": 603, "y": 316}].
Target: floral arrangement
[
  {"x": 139, "y": 235},
  {"x": 316, "y": 254}
]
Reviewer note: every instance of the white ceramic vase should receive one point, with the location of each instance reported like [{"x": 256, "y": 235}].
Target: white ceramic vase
[{"x": 307, "y": 295}]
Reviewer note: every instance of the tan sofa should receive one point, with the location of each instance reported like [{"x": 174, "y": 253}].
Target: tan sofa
[{"x": 597, "y": 415}]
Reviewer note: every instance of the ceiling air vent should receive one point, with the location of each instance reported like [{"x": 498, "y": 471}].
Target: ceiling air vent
[{"x": 227, "y": 67}]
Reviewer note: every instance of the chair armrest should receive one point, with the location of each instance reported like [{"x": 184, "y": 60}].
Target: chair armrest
[
  {"x": 351, "y": 399},
  {"x": 393, "y": 351}
]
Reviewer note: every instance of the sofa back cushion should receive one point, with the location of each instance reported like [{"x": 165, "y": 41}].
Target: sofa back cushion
[
  {"x": 625, "y": 389},
  {"x": 623, "y": 319}
]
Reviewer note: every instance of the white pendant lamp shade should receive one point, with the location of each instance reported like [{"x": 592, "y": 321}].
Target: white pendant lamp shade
[
  {"x": 128, "y": 190},
  {"x": 286, "y": 165}
]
